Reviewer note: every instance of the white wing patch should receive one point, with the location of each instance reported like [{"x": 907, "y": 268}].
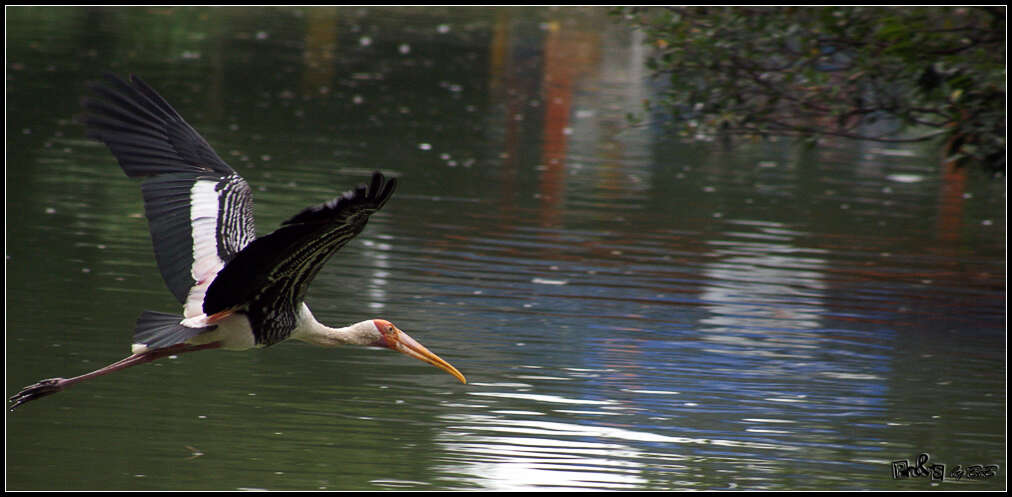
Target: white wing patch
[{"x": 206, "y": 263}]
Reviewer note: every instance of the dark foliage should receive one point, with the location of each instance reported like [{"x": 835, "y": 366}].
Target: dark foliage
[{"x": 891, "y": 74}]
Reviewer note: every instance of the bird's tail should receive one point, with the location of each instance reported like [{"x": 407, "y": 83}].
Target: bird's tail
[{"x": 157, "y": 330}]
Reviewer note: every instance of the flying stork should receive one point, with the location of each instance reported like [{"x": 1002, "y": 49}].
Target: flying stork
[{"x": 238, "y": 291}]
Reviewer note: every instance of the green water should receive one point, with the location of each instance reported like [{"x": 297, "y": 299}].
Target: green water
[{"x": 632, "y": 312}]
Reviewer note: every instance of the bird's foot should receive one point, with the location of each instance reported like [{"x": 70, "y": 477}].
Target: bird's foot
[{"x": 37, "y": 391}]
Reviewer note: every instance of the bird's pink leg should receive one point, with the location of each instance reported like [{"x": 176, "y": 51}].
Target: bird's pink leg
[{"x": 53, "y": 385}]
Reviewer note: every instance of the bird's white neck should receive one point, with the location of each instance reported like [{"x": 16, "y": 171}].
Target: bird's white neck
[{"x": 312, "y": 331}]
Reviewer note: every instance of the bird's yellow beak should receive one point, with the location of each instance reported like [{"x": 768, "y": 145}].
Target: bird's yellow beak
[{"x": 408, "y": 346}]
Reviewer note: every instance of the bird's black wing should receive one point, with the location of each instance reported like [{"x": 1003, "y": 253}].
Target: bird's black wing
[
  {"x": 275, "y": 270},
  {"x": 199, "y": 210}
]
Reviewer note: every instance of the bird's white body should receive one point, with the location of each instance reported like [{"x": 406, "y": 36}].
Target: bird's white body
[{"x": 234, "y": 332}]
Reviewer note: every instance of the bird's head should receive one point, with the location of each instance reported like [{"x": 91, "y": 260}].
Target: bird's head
[{"x": 383, "y": 333}]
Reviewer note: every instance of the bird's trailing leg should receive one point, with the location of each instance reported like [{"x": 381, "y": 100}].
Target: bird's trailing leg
[{"x": 53, "y": 385}]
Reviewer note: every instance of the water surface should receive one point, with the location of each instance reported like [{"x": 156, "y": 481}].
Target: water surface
[{"x": 632, "y": 312}]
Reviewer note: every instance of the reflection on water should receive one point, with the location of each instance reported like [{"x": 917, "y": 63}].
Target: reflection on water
[
  {"x": 531, "y": 455},
  {"x": 631, "y": 312},
  {"x": 513, "y": 449},
  {"x": 762, "y": 280}
]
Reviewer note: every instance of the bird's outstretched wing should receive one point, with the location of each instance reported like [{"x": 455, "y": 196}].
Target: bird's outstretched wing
[
  {"x": 199, "y": 210},
  {"x": 276, "y": 269}
]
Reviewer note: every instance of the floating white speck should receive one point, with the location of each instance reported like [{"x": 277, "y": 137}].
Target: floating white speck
[
  {"x": 546, "y": 281},
  {"x": 443, "y": 28},
  {"x": 424, "y": 146},
  {"x": 365, "y": 41},
  {"x": 655, "y": 392},
  {"x": 404, "y": 48},
  {"x": 905, "y": 178}
]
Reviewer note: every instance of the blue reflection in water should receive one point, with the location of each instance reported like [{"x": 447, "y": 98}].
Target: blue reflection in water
[{"x": 744, "y": 370}]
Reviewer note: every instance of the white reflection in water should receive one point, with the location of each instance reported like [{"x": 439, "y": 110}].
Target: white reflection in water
[
  {"x": 380, "y": 264},
  {"x": 543, "y": 398},
  {"x": 652, "y": 392},
  {"x": 587, "y": 413},
  {"x": 503, "y": 453},
  {"x": 536, "y": 458},
  {"x": 762, "y": 284}
]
